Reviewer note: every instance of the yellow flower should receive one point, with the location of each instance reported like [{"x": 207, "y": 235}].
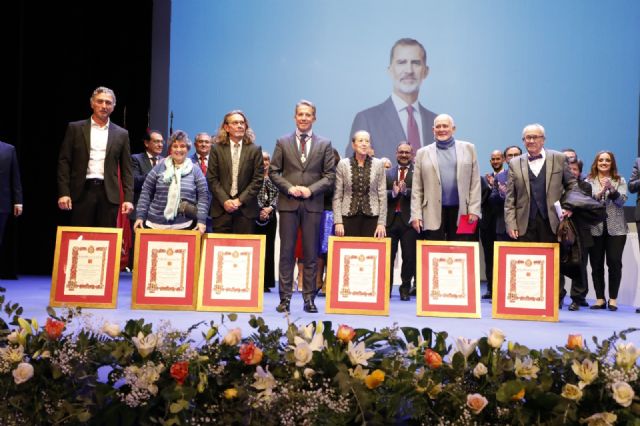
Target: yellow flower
[
  {"x": 587, "y": 371},
  {"x": 575, "y": 341},
  {"x": 374, "y": 379},
  {"x": 434, "y": 390},
  {"x": 358, "y": 372},
  {"x": 518, "y": 396},
  {"x": 600, "y": 419},
  {"x": 233, "y": 337},
  {"x": 231, "y": 393},
  {"x": 626, "y": 355},
  {"x": 526, "y": 369},
  {"x": 571, "y": 392}
]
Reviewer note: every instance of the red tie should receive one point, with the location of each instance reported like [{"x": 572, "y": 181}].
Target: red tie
[
  {"x": 203, "y": 165},
  {"x": 403, "y": 172},
  {"x": 413, "y": 135}
]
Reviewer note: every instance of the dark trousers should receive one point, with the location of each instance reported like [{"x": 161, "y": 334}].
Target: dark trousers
[
  {"x": 612, "y": 247},
  {"x": 93, "y": 208},
  {"x": 578, "y": 275},
  {"x": 448, "y": 228},
  {"x": 289, "y": 223},
  {"x": 233, "y": 223},
  {"x": 359, "y": 225},
  {"x": 488, "y": 237},
  {"x": 401, "y": 232},
  {"x": 269, "y": 254}
]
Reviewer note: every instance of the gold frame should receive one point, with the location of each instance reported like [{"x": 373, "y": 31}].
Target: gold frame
[
  {"x": 195, "y": 265},
  {"x": 476, "y": 278},
  {"x": 555, "y": 247},
  {"x": 329, "y": 308},
  {"x": 116, "y": 267},
  {"x": 200, "y": 306}
]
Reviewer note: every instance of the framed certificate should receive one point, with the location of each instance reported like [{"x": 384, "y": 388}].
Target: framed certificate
[
  {"x": 86, "y": 267},
  {"x": 447, "y": 279},
  {"x": 525, "y": 281},
  {"x": 357, "y": 276},
  {"x": 232, "y": 273},
  {"x": 165, "y": 272}
]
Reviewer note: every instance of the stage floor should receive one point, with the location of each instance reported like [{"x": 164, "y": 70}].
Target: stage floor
[{"x": 32, "y": 293}]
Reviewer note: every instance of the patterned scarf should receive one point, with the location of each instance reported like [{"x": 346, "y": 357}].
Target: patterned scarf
[{"x": 173, "y": 179}]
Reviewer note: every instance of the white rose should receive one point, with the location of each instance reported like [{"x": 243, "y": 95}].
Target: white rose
[
  {"x": 480, "y": 370},
  {"x": 233, "y": 337},
  {"x": 571, "y": 392},
  {"x": 22, "y": 373},
  {"x": 496, "y": 338},
  {"x": 146, "y": 344},
  {"x": 302, "y": 352},
  {"x": 308, "y": 373},
  {"x": 111, "y": 329},
  {"x": 13, "y": 337},
  {"x": 622, "y": 393}
]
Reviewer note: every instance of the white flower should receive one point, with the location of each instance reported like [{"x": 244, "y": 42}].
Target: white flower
[
  {"x": 13, "y": 337},
  {"x": 302, "y": 352},
  {"x": 265, "y": 382},
  {"x": 626, "y": 355},
  {"x": 623, "y": 393},
  {"x": 146, "y": 344},
  {"x": 480, "y": 370},
  {"x": 600, "y": 419},
  {"x": 358, "y": 372},
  {"x": 587, "y": 371},
  {"x": 571, "y": 392},
  {"x": 22, "y": 373},
  {"x": 496, "y": 338},
  {"x": 111, "y": 329},
  {"x": 358, "y": 354},
  {"x": 233, "y": 337},
  {"x": 313, "y": 335},
  {"x": 526, "y": 369},
  {"x": 466, "y": 346},
  {"x": 308, "y": 373}
]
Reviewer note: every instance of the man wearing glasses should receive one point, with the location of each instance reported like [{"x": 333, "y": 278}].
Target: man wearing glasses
[{"x": 537, "y": 180}]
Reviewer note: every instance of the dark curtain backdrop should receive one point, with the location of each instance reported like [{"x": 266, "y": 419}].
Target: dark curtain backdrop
[{"x": 53, "y": 55}]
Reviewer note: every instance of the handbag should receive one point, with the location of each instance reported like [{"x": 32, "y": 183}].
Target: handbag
[{"x": 188, "y": 209}]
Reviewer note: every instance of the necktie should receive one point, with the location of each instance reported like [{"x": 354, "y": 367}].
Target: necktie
[
  {"x": 303, "y": 144},
  {"x": 203, "y": 164},
  {"x": 403, "y": 173},
  {"x": 413, "y": 135},
  {"x": 235, "y": 161},
  {"x": 154, "y": 161},
  {"x": 535, "y": 157}
]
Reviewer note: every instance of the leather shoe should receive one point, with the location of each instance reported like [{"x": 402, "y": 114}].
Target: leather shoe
[
  {"x": 310, "y": 307},
  {"x": 638, "y": 311},
  {"x": 487, "y": 295},
  {"x": 584, "y": 304},
  {"x": 596, "y": 306},
  {"x": 404, "y": 295},
  {"x": 284, "y": 306},
  {"x": 574, "y": 306},
  {"x": 413, "y": 290},
  {"x": 612, "y": 307}
]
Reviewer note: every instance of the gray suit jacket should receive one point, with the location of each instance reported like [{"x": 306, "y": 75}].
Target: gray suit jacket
[
  {"x": 516, "y": 204},
  {"x": 317, "y": 172},
  {"x": 344, "y": 190},
  {"x": 634, "y": 185},
  {"x": 426, "y": 191},
  {"x": 384, "y": 126}
]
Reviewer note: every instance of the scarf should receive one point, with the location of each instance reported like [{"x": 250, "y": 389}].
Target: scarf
[{"x": 173, "y": 179}]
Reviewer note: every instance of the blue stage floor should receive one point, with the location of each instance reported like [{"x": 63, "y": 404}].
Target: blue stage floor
[{"x": 32, "y": 292}]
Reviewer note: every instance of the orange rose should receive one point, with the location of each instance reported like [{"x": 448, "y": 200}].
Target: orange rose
[
  {"x": 345, "y": 333},
  {"x": 54, "y": 328},
  {"x": 574, "y": 341},
  {"x": 250, "y": 354},
  {"x": 518, "y": 396},
  {"x": 179, "y": 371},
  {"x": 374, "y": 379},
  {"x": 432, "y": 359}
]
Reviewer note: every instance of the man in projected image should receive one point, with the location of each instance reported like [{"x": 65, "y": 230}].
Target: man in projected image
[
  {"x": 303, "y": 169},
  {"x": 401, "y": 117}
]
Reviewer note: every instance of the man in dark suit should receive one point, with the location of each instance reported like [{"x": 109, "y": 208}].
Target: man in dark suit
[
  {"x": 235, "y": 174},
  {"x": 203, "y": 149},
  {"x": 10, "y": 185},
  {"x": 303, "y": 169},
  {"x": 536, "y": 182},
  {"x": 401, "y": 117},
  {"x": 143, "y": 162},
  {"x": 92, "y": 154},
  {"x": 634, "y": 187},
  {"x": 398, "y": 218}
]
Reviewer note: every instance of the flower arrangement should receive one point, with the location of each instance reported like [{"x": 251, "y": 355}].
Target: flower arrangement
[{"x": 67, "y": 372}]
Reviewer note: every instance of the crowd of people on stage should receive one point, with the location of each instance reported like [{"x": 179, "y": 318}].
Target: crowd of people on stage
[{"x": 434, "y": 191}]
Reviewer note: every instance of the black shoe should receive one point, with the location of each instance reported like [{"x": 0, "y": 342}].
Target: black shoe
[
  {"x": 638, "y": 311},
  {"x": 310, "y": 307},
  {"x": 596, "y": 306},
  {"x": 612, "y": 308},
  {"x": 574, "y": 306},
  {"x": 412, "y": 292},
  {"x": 487, "y": 295},
  {"x": 584, "y": 304},
  {"x": 284, "y": 306},
  {"x": 267, "y": 290},
  {"x": 404, "y": 295},
  {"x": 560, "y": 304}
]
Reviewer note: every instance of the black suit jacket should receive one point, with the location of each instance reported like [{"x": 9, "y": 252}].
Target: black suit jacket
[
  {"x": 10, "y": 185},
  {"x": 74, "y": 159},
  {"x": 250, "y": 176},
  {"x": 634, "y": 186},
  {"x": 405, "y": 199},
  {"x": 141, "y": 168}
]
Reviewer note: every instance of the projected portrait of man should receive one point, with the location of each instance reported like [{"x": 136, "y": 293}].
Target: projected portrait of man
[{"x": 400, "y": 117}]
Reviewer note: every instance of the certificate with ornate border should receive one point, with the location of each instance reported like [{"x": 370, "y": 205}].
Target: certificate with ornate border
[
  {"x": 357, "y": 276},
  {"x": 232, "y": 273},
  {"x": 86, "y": 267},
  {"x": 447, "y": 279},
  {"x": 525, "y": 281},
  {"x": 165, "y": 271}
]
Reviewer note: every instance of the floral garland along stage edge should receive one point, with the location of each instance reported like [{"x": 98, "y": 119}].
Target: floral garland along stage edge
[{"x": 308, "y": 374}]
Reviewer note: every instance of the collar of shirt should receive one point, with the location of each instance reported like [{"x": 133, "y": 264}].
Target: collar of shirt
[
  {"x": 309, "y": 134},
  {"x": 97, "y": 126},
  {"x": 401, "y": 105},
  {"x": 536, "y": 165},
  {"x": 544, "y": 156}
]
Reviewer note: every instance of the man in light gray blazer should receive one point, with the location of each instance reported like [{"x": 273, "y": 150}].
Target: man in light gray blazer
[
  {"x": 446, "y": 185},
  {"x": 303, "y": 169}
]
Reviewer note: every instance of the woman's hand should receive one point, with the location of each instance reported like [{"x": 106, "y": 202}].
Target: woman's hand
[
  {"x": 339, "y": 230},
  {"x": 201, "y": 227},
  {"x": 137, "y": 224},
  {"x": 381, "y": 231}
]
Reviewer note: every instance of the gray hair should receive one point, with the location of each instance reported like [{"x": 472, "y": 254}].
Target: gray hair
[
  {"x": 534, "y": 126},
  {"x": 180, "y": 136},
  {"x": 103, "y": 89}
]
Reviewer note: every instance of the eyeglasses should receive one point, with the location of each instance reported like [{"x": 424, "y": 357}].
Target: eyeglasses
[{"x": 532, "y": 137}]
